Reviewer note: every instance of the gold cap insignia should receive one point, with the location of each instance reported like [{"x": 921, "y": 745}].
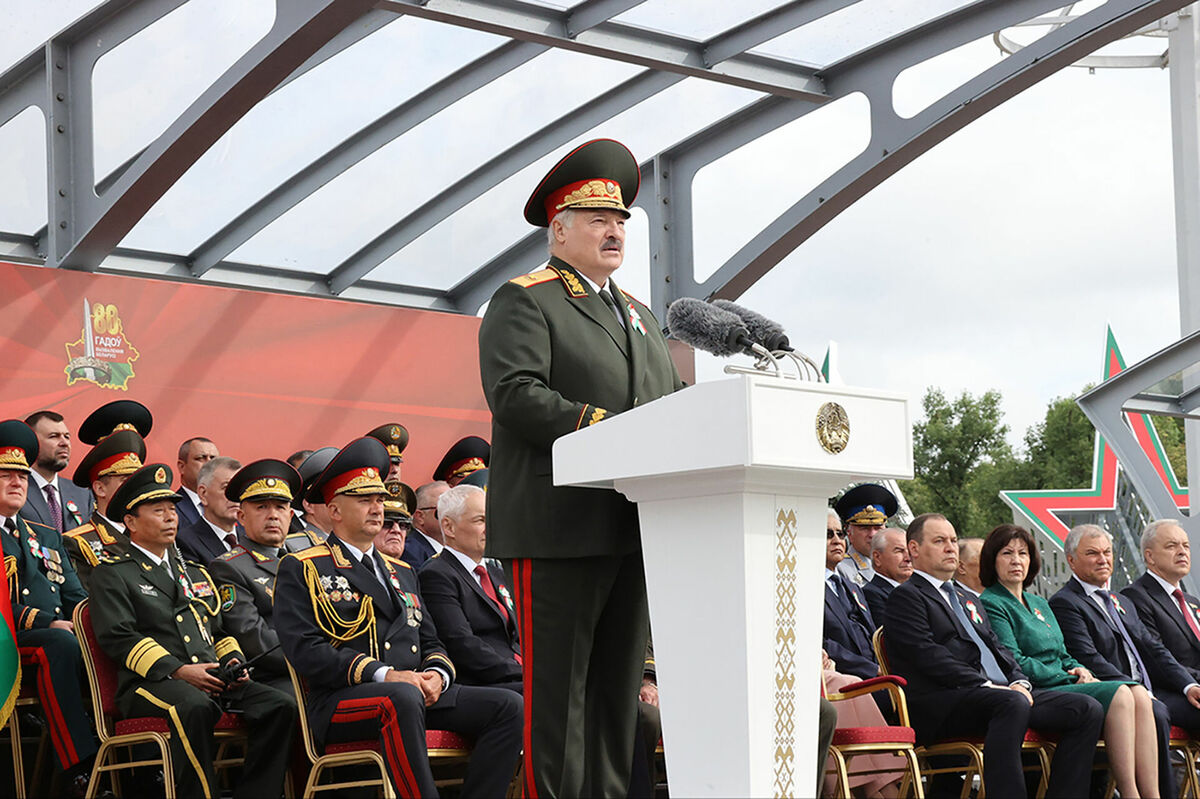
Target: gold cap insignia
[
  {"x": 160, "y": 476},
  {"x": 395, "y": 432},
  {"x": 13, "y": 458}
]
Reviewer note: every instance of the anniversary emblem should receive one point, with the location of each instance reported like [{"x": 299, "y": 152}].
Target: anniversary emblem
[{"x": 102, "y": 355}]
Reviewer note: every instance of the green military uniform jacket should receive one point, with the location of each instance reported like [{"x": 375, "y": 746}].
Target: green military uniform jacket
[
  {"x": 554, "y": 358},
  {"x": 89, "y": 542},
  {"x": 41, "y": 581},
  {"x": 245, "y": 579},
  {"x": 310, "y": 536},
  {"x": 151, "y": 624}
]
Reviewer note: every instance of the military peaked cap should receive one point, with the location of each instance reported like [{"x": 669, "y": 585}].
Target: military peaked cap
[{"x": 116, "y": 415}]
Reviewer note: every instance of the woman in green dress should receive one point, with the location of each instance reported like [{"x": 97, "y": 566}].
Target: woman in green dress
[{"x": 1025, "y": 625}]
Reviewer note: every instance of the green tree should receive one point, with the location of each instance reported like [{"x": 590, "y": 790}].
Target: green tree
[
  {"x": 1059, "y": 449},
  {"x": 952, "y": 441},
  {"x": 1170, "y": 432}
]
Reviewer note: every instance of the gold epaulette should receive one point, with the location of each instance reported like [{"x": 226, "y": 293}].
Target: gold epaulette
[
  {"x": 82, "y": 529},
  {"x": 39, "y": 524},
  {"x": 395, "y": 561},
  {"x": 231, "y": 554},
  {"x": 534, "y": 278},
  {"x": 320, "y": 550}
]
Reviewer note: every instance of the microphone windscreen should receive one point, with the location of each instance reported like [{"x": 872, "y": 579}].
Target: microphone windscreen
[
  {"x": 766, "y": 332},
  {"x": 704, "y": 326}
]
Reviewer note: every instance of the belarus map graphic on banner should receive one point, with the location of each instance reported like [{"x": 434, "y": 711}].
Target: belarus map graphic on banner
[{"x": 102, "y": 355}]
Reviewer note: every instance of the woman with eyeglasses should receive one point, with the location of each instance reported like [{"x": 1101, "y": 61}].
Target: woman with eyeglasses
[{"x": 1024, "y": 623}]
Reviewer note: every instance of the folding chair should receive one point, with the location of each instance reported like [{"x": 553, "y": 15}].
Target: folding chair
[
  {"x": 116, "y": 734},
  {"x": 970, "y": 748},
  {"x": 851, "y": 741}
]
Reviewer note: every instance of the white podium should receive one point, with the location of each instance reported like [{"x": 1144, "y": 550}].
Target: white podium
[{"x": 732, "y": 484}]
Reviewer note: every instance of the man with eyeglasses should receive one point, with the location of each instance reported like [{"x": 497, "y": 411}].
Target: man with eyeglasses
[
  {"x": 848, "y": 622},
  {"x": 427, "y": 540}
]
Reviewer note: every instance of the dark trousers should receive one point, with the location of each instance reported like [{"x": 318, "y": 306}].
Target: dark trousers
[
  {"x": 1171, "y": 707},
  {"x": 394, "y": 714},
  {"x": 1001, "y": 718},
  {"x": 270, "y": 718},
  {"x": 55, "y": 655},
  {"x": 583, "y": 624}
]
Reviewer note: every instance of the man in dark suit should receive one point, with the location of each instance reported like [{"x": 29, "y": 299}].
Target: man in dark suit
[
  {"x": 1107, "y": 636},
  {"x": 848, "y": 623},
  {"x": 963, "y": 683},
  {"x": 193, "y": 454},
  {"x": 353, "y": 626},
  {"x": 216, "y": 532},
  {"x": 425, "y": 535},
  {"x": 53, "y": 502},
  {"x": 561, "y": 349},
  {"x": 1169, "y": 614},
  {"x": 890, "y": 558},
  {"x": 468, "y": 599}
]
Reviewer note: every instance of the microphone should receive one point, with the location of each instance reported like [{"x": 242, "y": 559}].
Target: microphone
[
  {"x": 765, "y": 331},
  {"x": 709, "y": 328}
]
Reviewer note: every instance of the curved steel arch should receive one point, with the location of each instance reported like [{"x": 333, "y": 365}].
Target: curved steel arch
[{"x": 88, "y": 218}]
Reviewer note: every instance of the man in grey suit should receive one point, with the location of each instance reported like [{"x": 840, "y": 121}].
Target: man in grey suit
[{"x": 55, "y": 503}]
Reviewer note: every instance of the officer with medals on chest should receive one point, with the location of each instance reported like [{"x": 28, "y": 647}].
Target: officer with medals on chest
[
  {"x": 245, "y": 575},
  {"x": 160, "y": 619},
  {"x": 117, "y": 431},
  {"x": 352, "y": 624},
  {"x": 44, "y": 593}
]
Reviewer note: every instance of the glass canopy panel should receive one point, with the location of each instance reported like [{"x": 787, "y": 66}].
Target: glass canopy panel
[{"x": 695, "y": 19}]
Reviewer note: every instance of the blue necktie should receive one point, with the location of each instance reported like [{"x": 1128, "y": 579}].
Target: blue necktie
[
  {"x": 1131, "y": 650},
  {"x": 991, "y": 667}
]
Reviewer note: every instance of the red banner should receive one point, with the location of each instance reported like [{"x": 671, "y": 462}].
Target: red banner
[{"x": 260, "y": 374}]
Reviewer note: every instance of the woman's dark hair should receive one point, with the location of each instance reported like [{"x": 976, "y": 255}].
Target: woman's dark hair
[{"x": 997, "y": 540}]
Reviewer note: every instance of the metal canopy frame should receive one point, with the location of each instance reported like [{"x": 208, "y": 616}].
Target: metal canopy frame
[{"x": 89, "y": 215}]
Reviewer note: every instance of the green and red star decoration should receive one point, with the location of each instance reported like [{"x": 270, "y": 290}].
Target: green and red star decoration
[{"x": 1045, "y": 509}]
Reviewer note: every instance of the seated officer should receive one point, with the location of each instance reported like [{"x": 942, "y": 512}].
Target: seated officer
[
  {"x": 316, "y": 514},
  {"x": 394, "y": 437},
  {"x": 467, "y": 455},
  {"x": 352, "y": 624},
  {"x": 117, "y": 430},
  {"x": 245, "y": 575},
  {"x": 397, "y": 520},
  {"x": 469, "y": 601},
  {"x": 44, "y": 592},
  {"x": 160, "y": 619},
  {"x": 864, "y": 510}
]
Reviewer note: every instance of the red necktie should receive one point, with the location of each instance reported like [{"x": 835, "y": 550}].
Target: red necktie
[
  {"x": 1187, "y": 612},
  {"x": 485, "y": 580}
]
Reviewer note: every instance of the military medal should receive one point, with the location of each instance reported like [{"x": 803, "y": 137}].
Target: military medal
[
  {"x": 336, "y": 596},
  {"x": 395, "y": 582}
]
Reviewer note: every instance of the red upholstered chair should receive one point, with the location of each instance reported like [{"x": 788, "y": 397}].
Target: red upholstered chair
[
  {"x": 851, "y": 741},
  {"x": 116, "y": 733},
  {"x": 970, "y": 748}
]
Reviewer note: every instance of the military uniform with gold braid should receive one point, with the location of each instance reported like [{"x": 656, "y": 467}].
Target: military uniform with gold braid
[
  {"x": 44, "y": 589},
  {"x": 151, "y": 620},
  {"x": 245, "y": 575},
  {"x": 118, "y": 453},
  {"x": 556, "y": 356},
  {"x": 345, "y": 618}
]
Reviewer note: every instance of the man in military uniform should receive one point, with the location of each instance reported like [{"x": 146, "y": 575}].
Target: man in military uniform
[
  {"x": 116, "y": 430},
  {"x": 44, "y": 592},
  {"x": 393, "y": 436},
  {"x": 352, "y": 624},
  {"x": 561, "y": 349},
  {"x": 245, "y": 575},
  {"x": 864, "y": 510},
  {"x": 465, "y": 456},
  {"x": 160, "y": 618},
  {"x": 397, "y": 519},
  {"x": 316, "y": 515}
]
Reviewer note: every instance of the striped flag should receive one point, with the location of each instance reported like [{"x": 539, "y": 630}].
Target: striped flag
[{"x": 10, "y": 658}]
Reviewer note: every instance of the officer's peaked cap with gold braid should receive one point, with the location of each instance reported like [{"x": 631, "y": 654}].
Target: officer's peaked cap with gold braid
[
  {"x": 265, "y": 479},
  {"x": 18, "y": 446},
  {"x": 358, "y": 469}
]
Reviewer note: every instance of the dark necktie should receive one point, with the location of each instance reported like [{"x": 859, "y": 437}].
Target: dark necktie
[
  {"x": 11, "y": 526},
  {"x": 1187, "y": 612},
  {"x": 55, "y": 508},
  {"x": 611, "y": 302},
  {"x": 231, "y": 539},
  {"x": 1131, "y": 650},
  {"x": 991, "y": 667}
]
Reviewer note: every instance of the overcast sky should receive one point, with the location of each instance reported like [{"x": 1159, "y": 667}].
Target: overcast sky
[{"x": 995, "y": 261}]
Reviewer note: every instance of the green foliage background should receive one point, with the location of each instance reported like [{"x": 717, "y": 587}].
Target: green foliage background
[{"x": 962, "y": 458}]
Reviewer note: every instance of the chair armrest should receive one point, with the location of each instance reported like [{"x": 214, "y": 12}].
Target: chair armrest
[{"x": 893, "y": 684}]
